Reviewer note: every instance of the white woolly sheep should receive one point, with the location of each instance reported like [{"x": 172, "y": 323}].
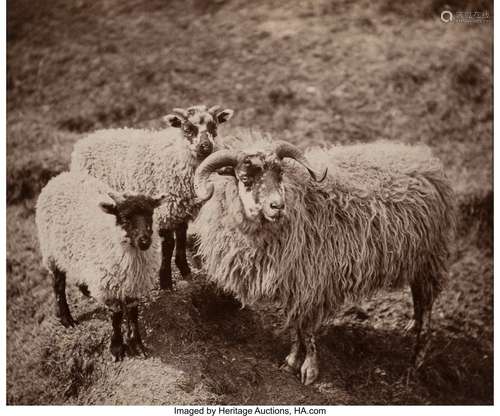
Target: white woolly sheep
[
  {"x": 150, "y": 162},
  {"x": 381, "y": 219},
  {"x": 102, "y": 241}
]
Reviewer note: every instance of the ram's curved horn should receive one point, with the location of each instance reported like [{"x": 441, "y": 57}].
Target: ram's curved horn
[
  {"x": 219, "y": 159},
  {"x": 284, "y": 149}
]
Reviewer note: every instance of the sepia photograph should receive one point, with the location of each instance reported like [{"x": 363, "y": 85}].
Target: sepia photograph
[{"x": 280, "y": 203}]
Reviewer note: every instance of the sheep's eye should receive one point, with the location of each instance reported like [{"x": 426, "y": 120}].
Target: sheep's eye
[
  {"x": 189, "y": 129},
  {"x": 245, "y": 179}
]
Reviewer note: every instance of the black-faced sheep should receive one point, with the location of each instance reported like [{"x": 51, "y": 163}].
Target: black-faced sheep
[
  {"x": 103, "y": 241},
  {"x": 157, "y": 161},
  {"x": 381, "y": 219}
]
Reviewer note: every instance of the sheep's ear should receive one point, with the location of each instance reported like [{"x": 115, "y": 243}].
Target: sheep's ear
[
  {"x": 224, "y": 115},
  {"x": 108, "y": 207},
  {"x": 173, "y": 120},
  {"x": 156, "y": 202},
  {"x": 117, "y": 196}
]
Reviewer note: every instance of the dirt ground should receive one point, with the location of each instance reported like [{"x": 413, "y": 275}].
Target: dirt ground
[{"x": 311, "y": 72}]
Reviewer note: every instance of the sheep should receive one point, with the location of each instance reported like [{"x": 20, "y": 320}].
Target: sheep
[
  {"x": 103, "y": 241},
  {"x": 380, "y": 218},
  {"x": 163, "y": 161}
]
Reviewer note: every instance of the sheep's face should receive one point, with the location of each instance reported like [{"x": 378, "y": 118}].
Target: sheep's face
[
  {"x": 199, "y": 127},
  {"x": 259, "y": 178},
  {"x": 134, "y": 215},
  {"x": 260, "y": 187}
]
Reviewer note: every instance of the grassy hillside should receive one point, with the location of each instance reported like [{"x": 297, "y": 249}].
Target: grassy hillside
[{"x": 310, "y": 72}]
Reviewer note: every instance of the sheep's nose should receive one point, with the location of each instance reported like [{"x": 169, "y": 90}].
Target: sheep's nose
[
  {"x": 277, "y": 205},
  {"x": 206, "y": 145},
  {"x": 144, "y": 242},
  {"x": 205, "y": 148},
  {"x": 275, "y": 209}
]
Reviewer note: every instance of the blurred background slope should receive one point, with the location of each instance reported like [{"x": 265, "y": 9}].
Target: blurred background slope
[{"x": 311, "y": 72}]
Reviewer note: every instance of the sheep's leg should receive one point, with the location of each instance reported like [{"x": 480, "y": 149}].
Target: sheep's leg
[
  {"x": 180, "y": 251},
  {"x": 412, "y": 324},
  {"x": 129, "y": 326},
  {"x": 134, "y": 340},
  {"x": 117, "y": 346},
  {"x": 310, "y": 370},
  {"x": 292, "y": 360},
  {"x": 62, "y": 308},
  {"x": 167, "y": 248},
  {"x": 423, "y": 297},
  {"x": 128, "y": 322}
]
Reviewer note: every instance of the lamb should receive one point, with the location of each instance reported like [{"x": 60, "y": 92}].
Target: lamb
[
  {"x": 150, "y": 162},
  {"x": 382, "y": 218},
  {"x": 103, "y": 241}
]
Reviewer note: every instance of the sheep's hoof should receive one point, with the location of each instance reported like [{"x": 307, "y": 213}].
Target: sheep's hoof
[
  {"x": 68, "y": 321},
  {"x": 165, "y": 275},
  {"x": 166, "y": 284},
  {"x": 132, "y": 349},
  {"x": 291, "y": 364},
  {"x": 309, "y": 371},
  {"x": 184, "y": 269},
  {"x": 118, "y": 349},
  {"x": 136, "y": 347}
]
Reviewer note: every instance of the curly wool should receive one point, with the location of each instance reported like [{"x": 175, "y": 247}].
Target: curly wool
[
  {"x": 382, "y": 218},
  {"x": 147, "y": 162},
  {"x": 77, "y": 237}
]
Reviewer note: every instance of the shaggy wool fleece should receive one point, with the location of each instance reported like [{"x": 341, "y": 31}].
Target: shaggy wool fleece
[
  {"x": 147, "y": 162},
  {"x": 77, "y": 237},
  {"x": 382, "y": 218}
]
